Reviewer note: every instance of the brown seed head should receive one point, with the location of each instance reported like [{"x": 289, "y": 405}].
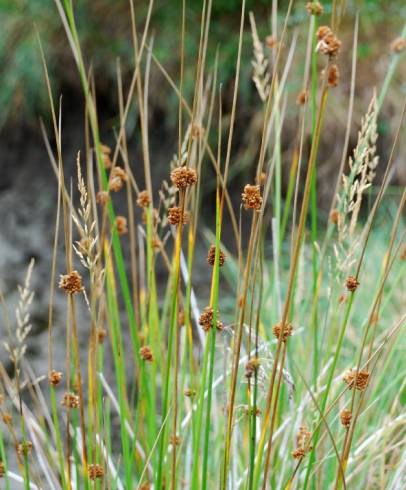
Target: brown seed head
[
  {"x": 303, "y": 97},
  {"x": 24, "y": 448},
  {"x": 145, "y": 486},
  {"x": 144, "y": 199},
  {"x": 314, "y": 8},
  {"x": 115, "y": 184},
  {"x": 95, "y": 471},
  {"x": 146, "y": 353},
  {"x": 251, "y": 411},
  {"x": 323, "y": 32},
  {"x": 298, "y": 453},
  {"x": 2, "y": 469},
  {"x": 345, "y": 417},
  {"x": 101, "y": 335},
  {"x": 271, "y": 42},
  {"x": 333, "y": 76},
  {"x": 70, "y": 400},
  {"x": 175, "y": 216},
  {"x": 71, "y": 283},
  {"x": 328, "y": 43},
  {"x": 55, "y": 377},
  {"x": 398, "y": 45},
  {"x": 351, "y": 283},
  {"x": 252, "y": 367},
  {"x": 287, "y": 331},
  {"x": 189, "y": 392},
  {"x": 119, "y": 172},
  {"x": 303, "y": 437},
  {"x": 251, "y": 197},
  {"x": 117, "y": 178},
  {"x": 212, "y": 255},
  {"x": 206, "y": 320},
  {"x": 335, "y": 216},
  {"x": 183, "y": 177},
  {"x": 175, "y": 440},
  {"x": 360, "y": 380},
  {"x": 7, "y": 418},
  {"x": 102, "y": 197},
  {"x": 121, "y": 224}
]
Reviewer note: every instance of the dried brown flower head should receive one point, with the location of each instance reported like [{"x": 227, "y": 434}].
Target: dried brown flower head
[
  {"x": 121, "y": 225},
  {"x": 351, "y": 283},
  {"x": 398, "y": 45},
  {"x": 314, "y": 8},
  {"x": 303, "y": 97},
  {"x": 71, "y": 283},
  {"x": 95, "y": 471},
  {"x": 271, "y": 42},
  {"x": 345, "y": 417},
  {"x": 335, "y": 216},
  {"x": 206, "y": 318},
  {"x": 333, "y": 76},
  {"x": 102, "y": 197},
  {"x": 360, "y": 380},
  {"x": 298, "y": 453},
  {"x": 145, "y": 486},
  {"x": 189, "y": 392},
  {"x": 252, "y": 411},
  {"x": 252, "y": 367},
  {"x": 101, "y": 335},
  {"x": 115, "y": 184},
  {"x": 303, "y": 438},
  {"x": 262, "y": 178},
  {"x": 175, "y": 440},
  {"x": 24, "y": 448},
  {"x": 7, "y": 418},
  {"x": 144, "y": 199},
  {"x": 328, "y": 43},
  {"x": 70, "y": 400},
  {"x": 55, "y": 377},
  {"x": 117, "y": 178},
  {"x": 211, "y": 256},
  {"x": 323, "y": 32},
  {"x": 146, "y": 353},
  {"x": 175, "y": 216},
  {"x": 183, "y": 177},
  {"x": 287, "y": 331},
  {"x": 251, "y": 197},
  {"x": 2, "y": 469}
]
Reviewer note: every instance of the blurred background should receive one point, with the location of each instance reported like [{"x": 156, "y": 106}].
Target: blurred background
[{"x": 27, "y": 184}]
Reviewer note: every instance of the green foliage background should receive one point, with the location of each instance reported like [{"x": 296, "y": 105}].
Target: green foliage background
[{"x": 104, "y": 27}]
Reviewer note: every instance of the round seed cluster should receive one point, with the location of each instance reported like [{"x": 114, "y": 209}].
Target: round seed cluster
[
  {"x": 71, "y": 283},
  {"x": 251, "y": 197},
  {"x": 287, "y": 331},
  {"x": 359, "y": 380},
  {"x": 328, "y": 43},
  {"x": 211, "y": 256},
  {"x": 183, "y": 177}
]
